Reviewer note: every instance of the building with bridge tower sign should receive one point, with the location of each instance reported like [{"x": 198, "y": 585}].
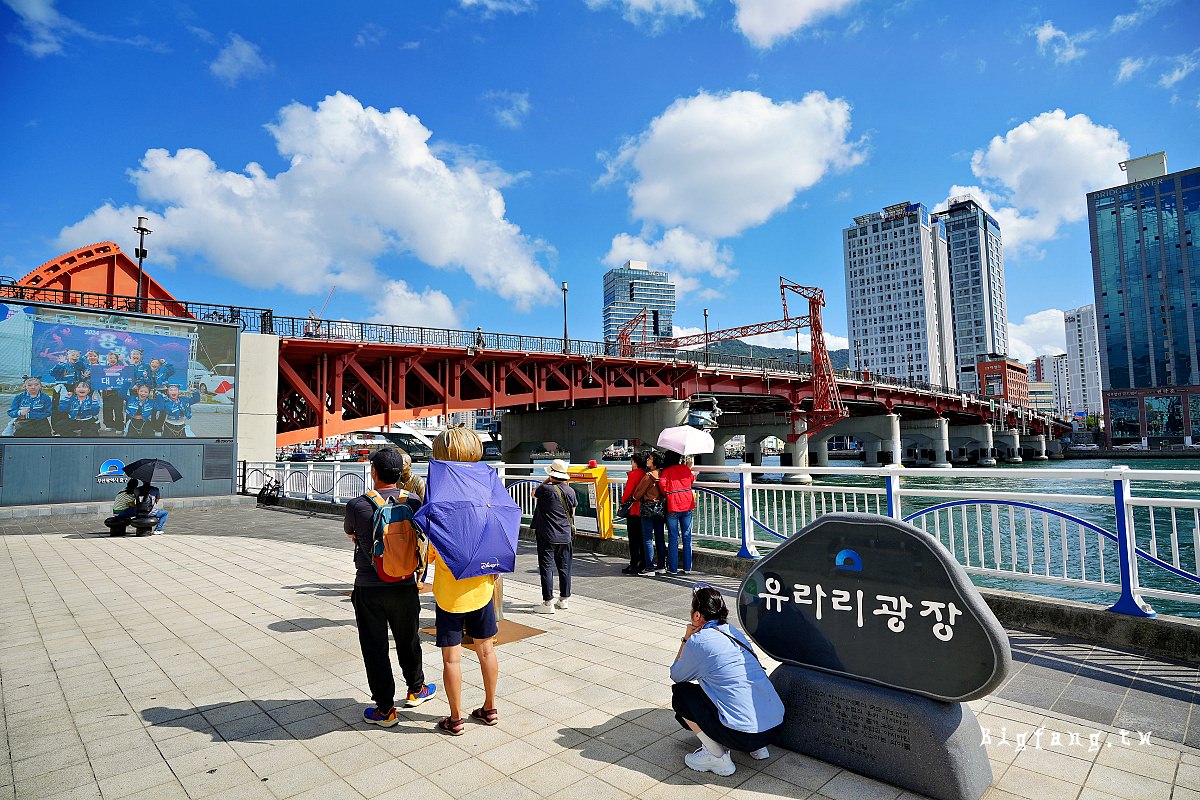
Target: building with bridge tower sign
[
  {"x": 1145, "y": 273},
  {"x": 631, "y": 287}
]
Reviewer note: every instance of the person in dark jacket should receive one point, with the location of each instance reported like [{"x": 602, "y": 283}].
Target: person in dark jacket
[
  {"x": 554, "y": 525},
  {"x": 30, "y": 411},
  {"x": 81, "y": 412},
  {"x": 380, "y": 605}
]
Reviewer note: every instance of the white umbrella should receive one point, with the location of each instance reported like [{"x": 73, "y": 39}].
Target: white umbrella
[{"x": 686, "y": 440}]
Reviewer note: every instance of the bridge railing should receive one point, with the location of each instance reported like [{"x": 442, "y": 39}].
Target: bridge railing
[{"x": 1082, "y": 534}]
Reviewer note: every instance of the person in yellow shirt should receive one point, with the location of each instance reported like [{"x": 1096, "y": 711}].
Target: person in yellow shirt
[{"x": 464, "y": 605}]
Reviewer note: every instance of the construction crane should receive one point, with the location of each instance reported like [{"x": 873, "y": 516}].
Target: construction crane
[
  {"x": 316, "y": 317},
  {"x": 827, "y": 406}
]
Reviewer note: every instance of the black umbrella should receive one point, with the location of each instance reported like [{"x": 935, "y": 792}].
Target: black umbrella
[{"x": 153, "y": 470}]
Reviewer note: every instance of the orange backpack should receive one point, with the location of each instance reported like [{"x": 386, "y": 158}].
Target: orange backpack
[{"x": 399, "y": 548}]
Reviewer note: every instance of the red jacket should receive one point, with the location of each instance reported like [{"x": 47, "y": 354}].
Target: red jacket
[
  {"x": 676, "y": 483},
  {"x": 635, "y": 477}
]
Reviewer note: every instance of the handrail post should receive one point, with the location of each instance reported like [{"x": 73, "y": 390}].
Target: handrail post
[
  {"x": 746, "y": 487},
  {"x": 287, "y": 467},
  {"x": 1131, "y": 601},
  {"x": 308, "y": 482},
  {"x": 892, "y": 485},
  {"x": 336, "y": 469}
]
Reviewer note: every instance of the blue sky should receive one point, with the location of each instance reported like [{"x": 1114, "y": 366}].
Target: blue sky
[{"x": 449, "y": 163}]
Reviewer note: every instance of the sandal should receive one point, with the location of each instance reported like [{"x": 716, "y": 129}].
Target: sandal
[
  {"x": 488, "y": 716},
  {"x": 451, "y": 727}
]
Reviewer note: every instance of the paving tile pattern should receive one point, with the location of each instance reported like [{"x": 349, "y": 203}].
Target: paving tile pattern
[{"x": 221, "y": 660}]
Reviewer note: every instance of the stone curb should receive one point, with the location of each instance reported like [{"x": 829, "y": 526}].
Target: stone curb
[{"x": 104, "y": 509}]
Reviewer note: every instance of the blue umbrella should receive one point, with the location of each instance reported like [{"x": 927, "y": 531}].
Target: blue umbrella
[{"x": 470, "y": 518}]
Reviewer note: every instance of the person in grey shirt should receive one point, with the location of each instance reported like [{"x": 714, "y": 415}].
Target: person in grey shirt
[{"x": 732, "y": 705}]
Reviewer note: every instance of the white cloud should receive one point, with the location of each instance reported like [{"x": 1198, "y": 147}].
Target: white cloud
[
  {"x": 369, "y": 35},
  {"x": 652, "y": 13},
  {"x": 765, "y": 22},
  {"x": 1036, "y": 175},
  {"x": 720, "y": 163},
  {"x": 1064, "y": 48},
  {"x": 686, "y": 256},
  {"x": 678, "y": 332},
  {"x": 1041, "y": 333},
  {"x": 362, "y": 184},
  {"x": 46, "y": 30},
  {"x": 1130, "y": 67},
  {"x": 1145, "y": 9},
  {"x": 509, "y": 108},
  {"x": 787, "y": 340},
  {"x": 1184, "y": 65},
  {"x": 238, "y": 59},
  {"x": 492, "y": 7},
  {"x": 396, "y": 303}
]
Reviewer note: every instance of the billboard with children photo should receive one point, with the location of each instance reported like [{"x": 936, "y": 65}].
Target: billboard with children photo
[{"x": 77, "y": 373}]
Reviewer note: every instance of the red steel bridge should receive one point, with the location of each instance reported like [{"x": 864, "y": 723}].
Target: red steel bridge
[{"x": 337, "y": 377}]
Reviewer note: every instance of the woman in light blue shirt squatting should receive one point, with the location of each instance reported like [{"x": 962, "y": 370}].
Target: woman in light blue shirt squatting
[
  {"x": 81, "y": 413},
  {"x": 177, "y": 409},
  {"x": 139, "y": 411},
  {"x": 30, "y": 411},
  {"x": 732, "y": 705}
]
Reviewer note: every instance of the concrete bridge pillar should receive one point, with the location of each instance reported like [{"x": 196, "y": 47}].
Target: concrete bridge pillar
[
  {"x": 1035, "y": 443},
  {"x": 941, "y": 443},
  {"x": 932, "y": 435},
  {"x": 968, "y": 439},
  {"x": 796, "y": 453},
  {"x": 871, "y": 453},
  {"x": 754, "y": 455},
  {"x": 820, "y": 452},
  {"x": 714, "y": 459},
  {"x": 1008, "y": 443},
  {"x": 893, "y": 424}
]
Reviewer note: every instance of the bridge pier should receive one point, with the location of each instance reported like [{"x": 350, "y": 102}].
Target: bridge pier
[
  {"x": 753, "y": 455},
  {"x": 978, "y": 438},
  {"x": 796, "y": 452},
  {"x": 1035, "y": 446},
  {"x": 819, "y": 451},
  {"x": 1008, "y": 446},
  {"x": 585, "y": 432},
  {"x": 880, "y": 433},
  {"x": 936, "y": 433}
]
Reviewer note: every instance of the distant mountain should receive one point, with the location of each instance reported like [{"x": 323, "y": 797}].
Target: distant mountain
[{"x": 840, "y": 358}]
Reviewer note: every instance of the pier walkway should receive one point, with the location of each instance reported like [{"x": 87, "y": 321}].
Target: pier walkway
[{"x": 221, "y": 660}]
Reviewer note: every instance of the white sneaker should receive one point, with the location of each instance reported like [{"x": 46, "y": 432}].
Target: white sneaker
[
  {"x": 704, "y": 761},
  {"x": 544, "y": 608},
  {"x": 760, "y": 754},
  {"x": 562, "y": 603}
]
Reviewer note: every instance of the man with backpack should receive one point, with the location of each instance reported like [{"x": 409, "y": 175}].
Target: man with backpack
[{"x": 384, "y": 599}]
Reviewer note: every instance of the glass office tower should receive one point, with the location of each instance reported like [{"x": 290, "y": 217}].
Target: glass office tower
[
  {"x": 1148, "y": 302},
  {"x": 631, "y": 287}
]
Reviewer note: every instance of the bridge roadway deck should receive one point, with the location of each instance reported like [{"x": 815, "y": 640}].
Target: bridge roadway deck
[{"x": 220, "y": 660}]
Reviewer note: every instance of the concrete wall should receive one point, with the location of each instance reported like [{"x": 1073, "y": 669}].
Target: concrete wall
[{"x": 257, "y": 396}]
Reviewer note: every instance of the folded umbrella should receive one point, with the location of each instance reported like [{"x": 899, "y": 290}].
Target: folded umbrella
[
  {"x": 686, "y": 440},
  {"x": 470, "y": 518},
  {"x": 153, "y": 470}
]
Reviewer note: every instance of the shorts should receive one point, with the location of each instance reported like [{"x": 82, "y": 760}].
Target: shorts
[{"x": 479, "y": 624}]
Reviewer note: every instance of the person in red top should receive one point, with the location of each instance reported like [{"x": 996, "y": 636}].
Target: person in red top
[
  {"x": 637, "y": 553},
  {"x": 676, "y": 483}
]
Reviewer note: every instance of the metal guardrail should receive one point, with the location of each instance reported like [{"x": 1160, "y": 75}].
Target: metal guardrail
[{"x": 1100, "y": 536}]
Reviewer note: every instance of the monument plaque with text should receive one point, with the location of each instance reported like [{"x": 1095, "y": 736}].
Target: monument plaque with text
[{"x": 882, "y": 637}]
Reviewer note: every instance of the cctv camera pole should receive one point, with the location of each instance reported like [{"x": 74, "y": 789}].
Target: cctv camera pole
[{"x": 140, "y": 252}]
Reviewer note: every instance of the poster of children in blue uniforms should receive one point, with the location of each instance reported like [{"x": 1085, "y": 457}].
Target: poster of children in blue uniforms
[{"x": 85, "y": 373}]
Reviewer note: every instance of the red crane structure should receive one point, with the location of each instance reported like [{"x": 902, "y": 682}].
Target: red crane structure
[{"x": 827, "y": 406}]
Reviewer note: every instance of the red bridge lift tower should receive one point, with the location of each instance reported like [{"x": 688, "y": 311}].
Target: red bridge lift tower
[{"x": 827, "y": 406}]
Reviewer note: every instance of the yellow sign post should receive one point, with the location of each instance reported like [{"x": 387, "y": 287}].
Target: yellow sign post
[{"x": 594, "y": 515}]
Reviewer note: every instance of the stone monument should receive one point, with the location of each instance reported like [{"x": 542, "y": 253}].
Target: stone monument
[{"x": 882, "y": 638}]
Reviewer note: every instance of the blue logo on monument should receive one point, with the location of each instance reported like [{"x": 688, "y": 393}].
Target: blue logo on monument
[
  {"x": 111, "y": 471},
  {"x": 848, "y": 560}
]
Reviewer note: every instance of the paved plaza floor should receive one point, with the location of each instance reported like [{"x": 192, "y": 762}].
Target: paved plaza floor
[{"x": 221, "y": 661}]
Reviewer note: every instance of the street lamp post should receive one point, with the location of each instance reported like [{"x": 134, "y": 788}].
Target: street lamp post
[
  {"x": 140, "y": 252},
  {"x": 706, "y": 337},
  {"x": 566, "y": 340}
]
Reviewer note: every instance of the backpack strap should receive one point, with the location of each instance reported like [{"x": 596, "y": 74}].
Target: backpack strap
[
  {"x": 570, "y": 513},
  {"x": 375, "y": 497}
]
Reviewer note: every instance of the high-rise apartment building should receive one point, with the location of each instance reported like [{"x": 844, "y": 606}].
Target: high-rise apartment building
[
  {"x": 1083, "y": 359},
  {"x": 977, "y": 299},
  {"x": 1053, "y": 370},
  {"x": 898, "y": 295},
  {"x": 631, "y": 287},
  {"x": 1145, "y": 271}
]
